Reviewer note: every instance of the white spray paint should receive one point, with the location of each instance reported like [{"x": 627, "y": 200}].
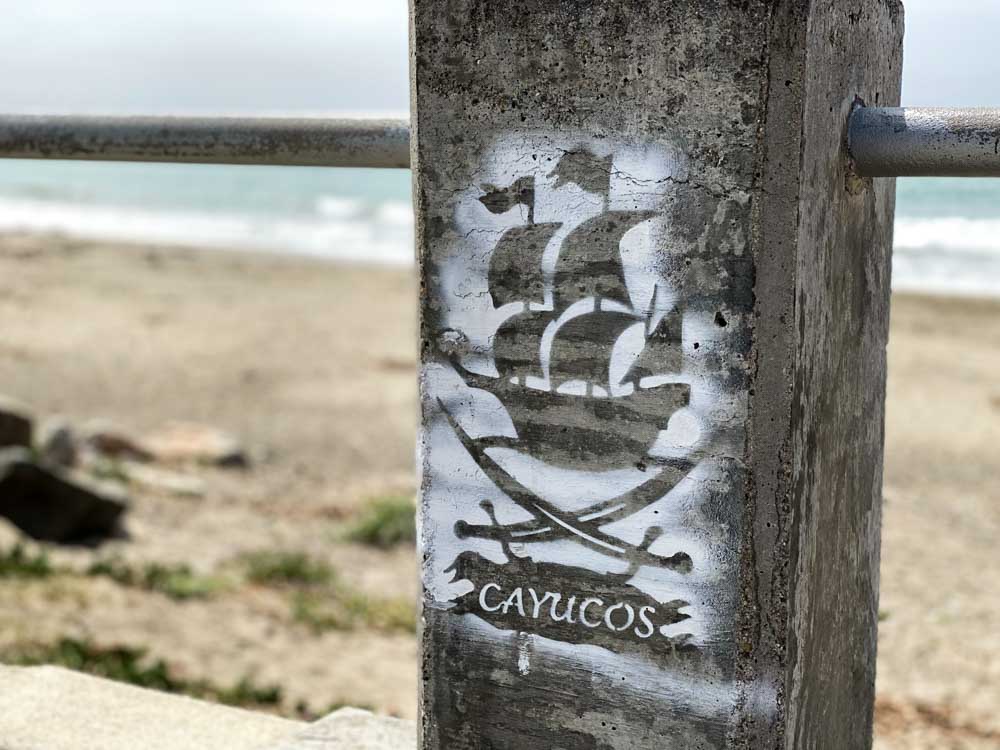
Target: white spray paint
[{"x": 642, "y": 178}]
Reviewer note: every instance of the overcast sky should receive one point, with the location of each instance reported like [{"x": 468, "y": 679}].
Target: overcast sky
[{"x": 335, "y": 56}]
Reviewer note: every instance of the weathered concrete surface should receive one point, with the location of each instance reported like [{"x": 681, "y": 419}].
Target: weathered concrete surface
[
  {"x": 842, "y": 272},
  {"x": 48, "y": 708},
  {"x": 634, "y": 114},
  {"x": 720, "y": 128}
]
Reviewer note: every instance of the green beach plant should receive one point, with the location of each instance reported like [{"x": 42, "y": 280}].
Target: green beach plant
[
  {"x": 134, "y": 666},
  {"x": 388, "y": 521},
  {"x": 348, "y": 609},
  {"x": 19, "y": 562},
  {"x": 178, "y": 582},
  {"x": 270, "y": 567}
]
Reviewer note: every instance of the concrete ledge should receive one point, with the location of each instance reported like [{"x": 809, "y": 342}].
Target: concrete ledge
[
  {"x": 353, "y": 729},
  {"x": 48, "y": 708}
]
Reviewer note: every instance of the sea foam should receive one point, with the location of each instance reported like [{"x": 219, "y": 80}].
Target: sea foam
[
  {"x": 952, "y": 254},
  {"x": 955, "y": 255},
  {"x": 339, "y": 229}
]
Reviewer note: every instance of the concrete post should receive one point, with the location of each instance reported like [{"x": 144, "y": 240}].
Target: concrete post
[{"x": 654, "y": 315}]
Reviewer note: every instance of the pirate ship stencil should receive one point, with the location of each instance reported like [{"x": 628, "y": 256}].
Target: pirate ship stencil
[{"x": 553, "y": 359}]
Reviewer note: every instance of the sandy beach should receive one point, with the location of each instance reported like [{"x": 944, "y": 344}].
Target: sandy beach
[
  {"x": 312, "y": 365},
  {"x": 939, "y": 640}
]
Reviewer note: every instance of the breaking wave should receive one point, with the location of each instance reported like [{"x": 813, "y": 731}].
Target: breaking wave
[
  {"x": 339, "y": 228},
  {"x": 954, "y": 255}
]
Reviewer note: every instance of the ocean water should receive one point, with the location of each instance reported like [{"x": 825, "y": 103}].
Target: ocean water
[
  {"x": 947, "y": 236},
  {"x": 947, "y": 230},
  {"x": 352, "y": 214}
]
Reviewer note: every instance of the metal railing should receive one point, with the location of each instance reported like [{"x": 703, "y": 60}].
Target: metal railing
[
  {"x": 883, "y": 142},
  {"x": 311, "y": 142},
  {"x": 901, "y": 142}
]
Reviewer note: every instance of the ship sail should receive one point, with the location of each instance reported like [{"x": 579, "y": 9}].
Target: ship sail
[
  {"x": 517, "y": 343},
  {"x": 662, "y": 354},
  {"x": 590, "y": 171},
  {"x": 516, "y": 264},
  {"x": 501, "y": 200},
  {"x": 590, "y": 263},
  {"x": 597, "y": 426},
  {"x": 581, "y": 349}
]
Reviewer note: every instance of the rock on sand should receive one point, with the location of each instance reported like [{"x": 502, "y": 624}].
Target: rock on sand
[
  {"x": 15, "y": 424},
  {"x": 51, "y": 505}
]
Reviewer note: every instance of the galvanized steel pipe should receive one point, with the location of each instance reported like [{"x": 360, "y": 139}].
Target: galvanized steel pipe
[
  {"x": 883, "y": 142},
  {"x": 209, "y": 140},
  {"x": 910, "y": 142}
]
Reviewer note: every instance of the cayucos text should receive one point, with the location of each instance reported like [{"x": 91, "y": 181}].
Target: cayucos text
[{"x": 589, "y": 612}]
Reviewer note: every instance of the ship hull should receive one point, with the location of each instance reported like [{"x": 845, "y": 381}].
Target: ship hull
[{"x": 584, "y": 432}]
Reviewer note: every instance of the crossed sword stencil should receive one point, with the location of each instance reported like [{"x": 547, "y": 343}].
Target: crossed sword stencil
[{"x": 550, "y": 523}]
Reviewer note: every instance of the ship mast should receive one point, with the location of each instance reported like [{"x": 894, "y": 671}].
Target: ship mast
[
  {"x": 516, "y": 275},
  {"x": 590, "y": 266}
]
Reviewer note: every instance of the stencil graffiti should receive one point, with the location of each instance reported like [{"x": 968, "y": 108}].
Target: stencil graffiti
[
  {"x": 571, "y": 450},
  {"x": 559, "y": 602}
]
